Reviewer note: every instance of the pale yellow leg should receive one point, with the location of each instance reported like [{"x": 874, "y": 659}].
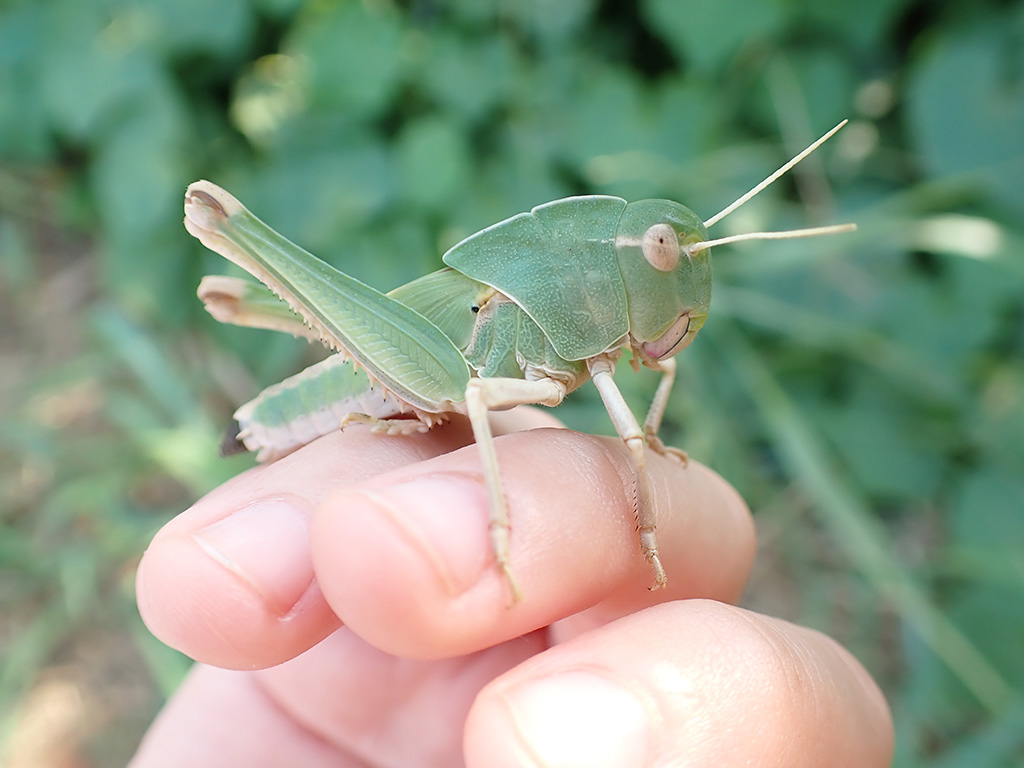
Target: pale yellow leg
[
  {"x": 601, "y": 370},
  {"x": 657, "y": 410},
  {"x": 387, "y": 426},
  {"x": 483, "y": 395}
]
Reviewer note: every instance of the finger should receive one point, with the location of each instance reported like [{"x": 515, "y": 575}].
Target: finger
[
  {"x": 688, "y": 683},
  {"x": 384, "y": 710},
  {"x": 405, "y": 559},
  {"x": 522, "y": 418},
  {"x": 342, "y": 703},
  {"x": 231, "y": 582},
  {"x": 219, "y": 717}
]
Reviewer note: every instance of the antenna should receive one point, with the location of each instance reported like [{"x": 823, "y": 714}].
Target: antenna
[
  {"x": 767, "y": 182},
  {"x": 791, "y": 234}
]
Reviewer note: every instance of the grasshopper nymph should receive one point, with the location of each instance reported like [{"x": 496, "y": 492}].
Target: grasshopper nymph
[{"x": 524, "y": 312}]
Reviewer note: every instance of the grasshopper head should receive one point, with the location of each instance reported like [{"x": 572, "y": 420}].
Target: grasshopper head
[{"x": 668, "y": 287}]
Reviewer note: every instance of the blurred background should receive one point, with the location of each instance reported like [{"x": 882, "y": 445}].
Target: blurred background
[{"x": 865, "y": 392}]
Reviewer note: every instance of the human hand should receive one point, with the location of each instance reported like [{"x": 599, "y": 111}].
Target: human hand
[{"x": 352, "y": 589}]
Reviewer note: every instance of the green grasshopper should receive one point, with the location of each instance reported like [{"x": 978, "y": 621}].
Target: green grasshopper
[{"x": 524, "y": 312}]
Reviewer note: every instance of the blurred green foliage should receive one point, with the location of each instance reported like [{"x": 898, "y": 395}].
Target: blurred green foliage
[{"x": 865, "y": 393}]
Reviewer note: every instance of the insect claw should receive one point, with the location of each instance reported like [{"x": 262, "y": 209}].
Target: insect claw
[
  {"x": 657, "y": 445},
  {"x": 515, "y": 591},
  {"x": 660, "y": 579}
]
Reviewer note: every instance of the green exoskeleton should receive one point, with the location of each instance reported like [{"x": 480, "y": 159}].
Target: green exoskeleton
[{"x": 524, "y": 312}]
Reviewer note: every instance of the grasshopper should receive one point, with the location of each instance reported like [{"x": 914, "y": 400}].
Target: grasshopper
[{"x": 524, "y": 312}]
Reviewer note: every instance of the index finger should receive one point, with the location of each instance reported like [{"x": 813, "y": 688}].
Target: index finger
[
  {"x": 263, "y": 568},
  {"x": 405, "y": 560},
  {"x": 231, "y": 582}
]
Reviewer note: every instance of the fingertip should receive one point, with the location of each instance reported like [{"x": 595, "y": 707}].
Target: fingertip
[
  {"x": 574, "y": 718},
  {"x": 728, "y": 535},
  {"x": 406, "y": 560},
  {"x": 237, "y": 592},
  {"x": 875, "y": 714},
  {"x": 265, "y": 545},
  {"x": 230, "y": 581},
  {"x": 693, "y": 682},
  {"x": 402, "y": 562}
]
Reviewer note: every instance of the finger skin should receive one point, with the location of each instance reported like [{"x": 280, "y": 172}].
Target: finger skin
[
  {"x": 246, "y": 596},
  {"x": 273, "y": 561},
  {"x": 685, "y": 683},
  {"x": 694, "y": 683},
  {"x": 405, "y": 559},
  {"x": 342, "y": 703},
  {"x": 220, "y": 718},
  {"x": 390, "y": 535}
]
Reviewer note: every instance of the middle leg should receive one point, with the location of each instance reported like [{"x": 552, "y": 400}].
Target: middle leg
[
  {"x": 601, "y": 369},
  {"x": 483, "y": 395}
]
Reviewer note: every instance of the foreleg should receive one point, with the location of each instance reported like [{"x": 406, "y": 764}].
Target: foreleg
[
  {"x": 657, "y": 410},
  {"x": 601, "y": 369}
]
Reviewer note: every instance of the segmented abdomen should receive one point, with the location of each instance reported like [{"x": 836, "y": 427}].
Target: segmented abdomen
[{"x": 309, "y": 404}]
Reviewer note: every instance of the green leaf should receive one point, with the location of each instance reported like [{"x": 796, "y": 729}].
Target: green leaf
[
  {"x": 94, "y": 66},
  {"x": 986, "y": 514},
  {"x": 966, "y": 109},
  {"x": 23, "y": 117},
  {"x": 468, "y": 76},
  {"x": 196, "y": 26},
  {"x": 710, "y": 34},
  {"x": 616, "y": 101},
  {"x": 318, "y": 197},
  {"x": 434, "y": 162},
  {"x": 881, "y": 448},
  {"x": 354, "y": 52}
]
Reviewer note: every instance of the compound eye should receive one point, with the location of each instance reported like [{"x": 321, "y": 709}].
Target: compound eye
[{"x": 661, "y": 247}]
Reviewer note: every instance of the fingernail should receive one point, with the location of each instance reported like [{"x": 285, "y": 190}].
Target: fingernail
[
  {"x": 580, "y": 719},
  {"x": 266, "y": 545},
  {"x": 440, "y": 516}
]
